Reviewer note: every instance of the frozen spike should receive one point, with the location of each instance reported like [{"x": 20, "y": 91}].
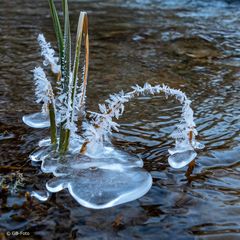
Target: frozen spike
[
  {"x": 181, "y": 159},
  {"x": 40, "y": 195},
  {"x": 48, "y": 53}
]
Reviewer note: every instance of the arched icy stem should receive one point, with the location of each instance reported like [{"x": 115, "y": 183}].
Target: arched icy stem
[{"x": 101, "y": 125}]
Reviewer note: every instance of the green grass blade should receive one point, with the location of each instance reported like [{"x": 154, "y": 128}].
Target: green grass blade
[
  {"x": 66, "y": 66},
  {"x": 57, "y": 27},
  {"x": 53, "y": 127}
]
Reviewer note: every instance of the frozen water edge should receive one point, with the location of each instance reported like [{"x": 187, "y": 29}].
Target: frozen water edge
[
  {"x": 101, "y": 182},
  {"x": 101, "y": 188},
  {"x": 40, "y": 195},
  {"x": 38, "y": 120}
]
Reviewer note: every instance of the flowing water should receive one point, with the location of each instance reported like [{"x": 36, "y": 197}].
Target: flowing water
[{"x": 191, "y": 45}]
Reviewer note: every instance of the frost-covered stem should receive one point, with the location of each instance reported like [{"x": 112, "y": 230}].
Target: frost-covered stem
[
  {"x": 72, "y": 94},
  {"x": 62, "y": 132},
  {"x": 52, "y": 117},
  {"x": 48, "y": 54},
  {"x": 44, "y": 93},
  {"x": 102, "y": 123},
  {"x": 85, "y": 69}
]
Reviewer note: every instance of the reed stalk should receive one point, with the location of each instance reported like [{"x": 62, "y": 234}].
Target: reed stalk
[
  {"x": 68, "y": 86},
  {"x": 66, "y": 69},
  {"x": 53, "y": 126},
  {"x": 81, "y": 29}
]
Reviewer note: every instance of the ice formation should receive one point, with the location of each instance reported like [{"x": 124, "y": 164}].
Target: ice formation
[
  {"x": 111, "y": 178},
  {"x": 95, "y": 173},
  {"x": 48, "y": 53},
  {"x": 102, "y": 124},
  {"x": 40, "y": 195},
  {"x": 102, "y": 188},
  {"x": 44, "y": 94}
]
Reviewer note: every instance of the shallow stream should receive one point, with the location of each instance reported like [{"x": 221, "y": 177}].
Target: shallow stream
[{"x": 191, "y": 45}]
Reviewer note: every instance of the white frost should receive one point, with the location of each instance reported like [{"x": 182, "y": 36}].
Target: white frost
[
  {"x": 43, "y": 88},
  {"x": 102, "y": 124},
  {"x": 48, "y": 53}
]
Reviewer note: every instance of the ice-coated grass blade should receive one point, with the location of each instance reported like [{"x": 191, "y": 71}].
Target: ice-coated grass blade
[
  {"x": 82, "y": 26},
  {"x": 85, "y": 73},
  {"x": 81, "y": 29},
  {"x": 66, "y": 63}
]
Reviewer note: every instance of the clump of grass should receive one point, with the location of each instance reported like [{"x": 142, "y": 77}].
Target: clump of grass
[
  {"x": 114, "y": 177},
  {"x": 65, "y": 105},
  {"x": 66, "y": 102}
]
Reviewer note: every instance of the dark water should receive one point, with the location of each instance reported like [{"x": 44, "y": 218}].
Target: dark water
[{"x": 191, "y": 45}]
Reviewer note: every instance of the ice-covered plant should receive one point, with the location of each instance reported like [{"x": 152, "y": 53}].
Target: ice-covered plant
[
  {"x": 61, "y": 109},
  {"x": 96, "y": 174}
]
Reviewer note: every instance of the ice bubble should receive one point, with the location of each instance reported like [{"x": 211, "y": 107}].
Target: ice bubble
[
  {"x": 180, "y": 148},
  {"x": 45, "y": 142},
  {"x": 101, "y": 182},
  {"x": 198, "y": 145},
  {"x": 115, "y": 159}
]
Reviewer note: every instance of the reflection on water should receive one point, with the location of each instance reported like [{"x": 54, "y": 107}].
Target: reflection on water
[{"x": 191, "y": 45}]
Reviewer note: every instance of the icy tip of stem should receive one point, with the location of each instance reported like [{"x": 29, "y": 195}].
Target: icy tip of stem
[
  {"x": 43, "y": 88},
  {"x": 48, "y": 54}
]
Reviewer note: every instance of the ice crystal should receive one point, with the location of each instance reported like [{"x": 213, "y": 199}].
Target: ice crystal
[
  {"x": 102, "y": 124},
  {"x": 81, "y": 95},
  {"x": 43, "y": 90},
  {"x": 48, "y": 53}
]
